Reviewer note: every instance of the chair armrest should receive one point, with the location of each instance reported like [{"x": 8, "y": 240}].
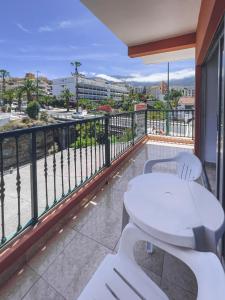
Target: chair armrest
[
  {"x": 150, "y": 163},
  {"x": 206, "y": 266}
]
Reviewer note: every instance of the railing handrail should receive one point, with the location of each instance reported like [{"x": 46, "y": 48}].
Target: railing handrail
[{"x": 16, "y": 132}]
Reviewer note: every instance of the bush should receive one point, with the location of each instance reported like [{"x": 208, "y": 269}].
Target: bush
[
  {"x": 33, "y": 109},
  {"x": 44, "y": 116}
]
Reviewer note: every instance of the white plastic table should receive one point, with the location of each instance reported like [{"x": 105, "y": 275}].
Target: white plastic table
[{"x": 178, "y": 212}]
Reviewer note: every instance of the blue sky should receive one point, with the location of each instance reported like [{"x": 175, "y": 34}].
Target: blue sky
[{"x": 46, "y": 35}]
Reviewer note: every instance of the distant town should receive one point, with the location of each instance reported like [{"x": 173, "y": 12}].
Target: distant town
[{"x": 39, "y": 98}]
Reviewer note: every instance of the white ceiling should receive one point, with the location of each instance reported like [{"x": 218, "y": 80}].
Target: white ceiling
[
  {"x": 169, "y": 56},
  {"x": 141, "y": 21}
]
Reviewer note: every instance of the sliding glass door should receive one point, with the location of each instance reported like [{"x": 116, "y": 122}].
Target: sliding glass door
[
  {"x": 213, "y": 118},
  {"x": 220, "y": 125}
]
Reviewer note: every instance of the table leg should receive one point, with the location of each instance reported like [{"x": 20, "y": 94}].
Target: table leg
[{"x": 125, "y": 218}]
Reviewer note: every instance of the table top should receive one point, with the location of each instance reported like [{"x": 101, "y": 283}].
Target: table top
[{"x": 168, "y": 207}]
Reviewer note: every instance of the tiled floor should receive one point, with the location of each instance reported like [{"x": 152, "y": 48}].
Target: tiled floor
[{"x": 65, "y": 264}]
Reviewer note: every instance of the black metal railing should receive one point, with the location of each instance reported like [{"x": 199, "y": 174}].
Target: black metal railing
[
  {"x": 177, "y": 123},
  {"x": 41, "y": 166}
]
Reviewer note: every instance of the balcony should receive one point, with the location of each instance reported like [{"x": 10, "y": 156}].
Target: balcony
[
  {"x": 53, "y": 196},
  {"x": 64, "y": 264}
]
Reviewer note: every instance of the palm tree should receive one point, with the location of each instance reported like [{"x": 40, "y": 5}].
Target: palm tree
[
  {"x": 76, "y": 65},
  {"x": 67, "y": 95},
  {"x": 9, "y": 95},
  {"x": 19, "y": 94},
  {"x": 3, "y": 75},
  {"x": 29, "y": 88}
]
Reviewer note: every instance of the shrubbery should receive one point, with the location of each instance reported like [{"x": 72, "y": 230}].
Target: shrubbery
[{"x": 33, "y": 109}]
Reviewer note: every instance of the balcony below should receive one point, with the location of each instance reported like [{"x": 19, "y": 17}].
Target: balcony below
[{"x": 64, "y": 264}]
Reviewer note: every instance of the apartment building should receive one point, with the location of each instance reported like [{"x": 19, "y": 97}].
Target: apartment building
[
  {"x": 45, "y": 85},
  {"x": 188, "y": 92},
  {"x": 96, "y": 89}
]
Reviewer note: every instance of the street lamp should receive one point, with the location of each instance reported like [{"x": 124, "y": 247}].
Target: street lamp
[
  {"x": 37, "y": 87},
  {"x": 76, "y": 65}
]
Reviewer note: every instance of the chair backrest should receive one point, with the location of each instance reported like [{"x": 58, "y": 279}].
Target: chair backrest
[{"x": 189, "y": 167}]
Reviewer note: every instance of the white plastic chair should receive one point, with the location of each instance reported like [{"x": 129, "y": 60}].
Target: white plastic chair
[
  {"x": 120, "y": 277},
  {"x": 188, "y": 167}
]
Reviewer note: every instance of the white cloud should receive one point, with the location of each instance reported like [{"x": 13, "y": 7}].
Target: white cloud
[
  {"x": 21, "y": 27},
  {"x": 107, "y": 77},
  {"x": 45, "y": 29},
  {"x": 64, "y": 24},
  {"x": 185, "y": 73},
  {"x": 136, "y": 77}
]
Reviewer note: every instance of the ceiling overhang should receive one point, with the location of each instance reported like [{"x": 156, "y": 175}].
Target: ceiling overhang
[
  {"x": 166, "y": 45},
  {"x": 150, "y": 27},
  {"x": 169, "y": 56}
]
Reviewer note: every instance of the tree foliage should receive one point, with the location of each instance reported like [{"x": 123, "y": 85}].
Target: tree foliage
[
  {"x": 66, "y": 95},
  {"x": 33, "y": 109}
]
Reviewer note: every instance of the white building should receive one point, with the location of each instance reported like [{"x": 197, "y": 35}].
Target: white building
[
  {"x": 189, "y": 92},
  {"x": 90, "y": 88}
]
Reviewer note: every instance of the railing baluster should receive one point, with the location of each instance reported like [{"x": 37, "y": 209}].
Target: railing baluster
[
  {"x": 2, "y": 193},
  {"x": 68, "y": 156},
  {"x": 103, "y": 144},
  {"x": 99, "y": 146},
  {"x": 86, "y": 145},
  {"x": 61, "y": 160},
  {"x": 81, "y": 172},
  {"x": 54, "y": 167},
  {"x": 91, "y": 139},
  {"x": 46, "y": 171},
  {"x": 18, "y": 184},
  {"x": 75, "y": 155},
  {"x": 33, "y": 172},
  {"x": 107, "y": 145},
  {"x": 132, "y": 124},
  {"x": 95, "y": 130}
]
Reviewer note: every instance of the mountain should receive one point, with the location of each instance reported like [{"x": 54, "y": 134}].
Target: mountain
[{"x": 188, "y": 81}]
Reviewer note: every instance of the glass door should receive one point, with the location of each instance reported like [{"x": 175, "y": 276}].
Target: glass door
[{"x": 220, "y": 125}]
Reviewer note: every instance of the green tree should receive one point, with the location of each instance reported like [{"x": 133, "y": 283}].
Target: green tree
[
  {"x": 29, "y": 88},
  {"x": 173, "y": 99},
  {"x": 159, "y": 105},
  {"x": 3, "y": 75},
  {"x": 45, "y": 100},
  {"x": 19, "y": 95},
  {"x": 66, "y": 96},
  {"x": 9, "y": 96}
]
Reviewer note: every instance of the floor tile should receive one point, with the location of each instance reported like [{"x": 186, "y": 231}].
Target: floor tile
[
  {"x": 19, "y": 284},
  {"x": 42, "y": 260},
  {"x": 174, "y": 292},
  {"x": 41, "y": 290},
  {"x": 104, "y": 226},
  {"x": 81, "y": 256},
  {"x": 178, "y": 273},
  {"x": 152, "y": 262}
]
